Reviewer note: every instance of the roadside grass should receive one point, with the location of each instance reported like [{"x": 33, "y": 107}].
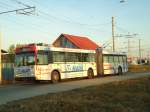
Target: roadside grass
[
  {"x": 139, "y": 68},
  {"x": 125, "y": 96}
]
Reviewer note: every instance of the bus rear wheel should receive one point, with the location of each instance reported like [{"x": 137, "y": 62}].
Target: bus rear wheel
[
  {"x": 120, "y": 71},
  {"x": 55, "y": 77},
  {"x": 90, "y": 73}
]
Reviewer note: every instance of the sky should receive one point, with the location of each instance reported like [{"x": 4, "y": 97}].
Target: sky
[{"x": 90, "y": 18}]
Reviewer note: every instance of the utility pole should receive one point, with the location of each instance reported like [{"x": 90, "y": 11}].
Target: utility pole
[
  {"x": 140, "y": 50},
  {"x": 129, "y": 50},
  {"x": 0, "y": 60},
  {"x": 113, "y": 35}
]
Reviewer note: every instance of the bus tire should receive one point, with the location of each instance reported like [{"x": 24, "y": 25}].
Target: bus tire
[
  {"x": 55, "y": 76},
  {"x": 120, "y": 71},
  {"x": 90, "y": 73}
]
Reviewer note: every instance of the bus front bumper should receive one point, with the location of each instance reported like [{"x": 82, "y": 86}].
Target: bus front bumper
[{"x": 24, "y": 78}]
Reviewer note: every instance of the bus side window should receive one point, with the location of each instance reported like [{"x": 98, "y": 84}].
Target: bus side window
[
  {"x": 111, "y": 59},
  {"x": 70, "y": 57},
  {"x": 58, "y": 57},
  {"x": 116, "y": 59},
  {"x": 124, "y": 59},
  {"x": 105, "y": 59},
  {"x": 91, "y": 57},
  {"x": 74, "y": 57},
  {"x": 88, "y": 57},
  {"x": 42, "y": 58},
  {"x": 79, "y": 57},
  {"x": 85, "y": 57},
  {"x": 120, "y": 59},
  {"x": 50, "y": 57}
]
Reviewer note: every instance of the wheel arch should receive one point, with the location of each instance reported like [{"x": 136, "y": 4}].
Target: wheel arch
[
  {"x": 120, "y": 68},
  {"x": 56, "y": 71},
  {"x": 88, "y": 73},
  {"x": 90, "y": 68}
]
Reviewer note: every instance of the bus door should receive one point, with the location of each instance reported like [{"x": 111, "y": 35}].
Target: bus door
[{"x": 42, "y": 68}]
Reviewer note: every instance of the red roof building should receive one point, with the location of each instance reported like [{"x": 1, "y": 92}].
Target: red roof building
[{"x": 71, "y": 41}]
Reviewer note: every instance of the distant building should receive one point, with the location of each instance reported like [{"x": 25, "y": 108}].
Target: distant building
[{"x": 72, "y": 41}]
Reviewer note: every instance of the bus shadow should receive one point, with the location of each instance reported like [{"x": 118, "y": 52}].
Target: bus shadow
[{"x": 41, "y": 82}]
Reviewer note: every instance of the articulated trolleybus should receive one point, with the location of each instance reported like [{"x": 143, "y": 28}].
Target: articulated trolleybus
[{"x": 43, "y": 62}]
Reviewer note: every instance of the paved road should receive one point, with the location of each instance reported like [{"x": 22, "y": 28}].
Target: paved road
[{"x": 20, "y": 91}]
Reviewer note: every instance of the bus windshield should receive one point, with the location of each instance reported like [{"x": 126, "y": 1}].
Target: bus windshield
[{"x": 24, "y": 59}]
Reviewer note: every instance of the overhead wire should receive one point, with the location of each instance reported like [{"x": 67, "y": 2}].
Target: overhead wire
[
  {"x": 17, "y": 22},
  {"x": 47, "y": 17},
  {"x": 68, "y": 20}
]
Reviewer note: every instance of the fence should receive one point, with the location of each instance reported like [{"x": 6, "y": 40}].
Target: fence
[{"x": 7, "y": 68}]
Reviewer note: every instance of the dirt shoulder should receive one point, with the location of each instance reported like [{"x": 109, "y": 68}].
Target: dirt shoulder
[{"x": 124, "y": 96}]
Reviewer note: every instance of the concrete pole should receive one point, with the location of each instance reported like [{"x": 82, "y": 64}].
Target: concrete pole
[
  {"x": 129, "y": 52},
  {"x": 113, "y": 34},
  {"x": 140, "y": 50}
]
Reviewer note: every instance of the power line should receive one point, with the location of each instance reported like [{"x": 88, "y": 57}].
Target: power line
[
  {"x": 72, "y": 22},
  {"x": 33, "y": 26},
  {"x": 122, "y": 29},
  {"x": 25, "y": 10},
  {"x": 7, "y": 5},
  {"x": 68, "y": 19},
  {"x": 21, "y": 3},
  {"x": 47, "y": 17}
]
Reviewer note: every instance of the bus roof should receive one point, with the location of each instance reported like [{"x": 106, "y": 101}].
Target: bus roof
[
  {"x": 46, "y": 47},
  {"x": 51, "y": 48},
  {"x": 114, "y": 53}
]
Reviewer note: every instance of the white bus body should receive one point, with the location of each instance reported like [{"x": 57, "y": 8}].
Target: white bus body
[
  {"x": 65, "y": 61},
  {"x": 52, "y": 63},
  {"x": 114, "y": 63}
]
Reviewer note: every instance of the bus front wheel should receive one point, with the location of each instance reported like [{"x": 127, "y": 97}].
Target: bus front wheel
[
  {"x": 55, "y": 77},
  {"x": 90, "y": 73}
]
